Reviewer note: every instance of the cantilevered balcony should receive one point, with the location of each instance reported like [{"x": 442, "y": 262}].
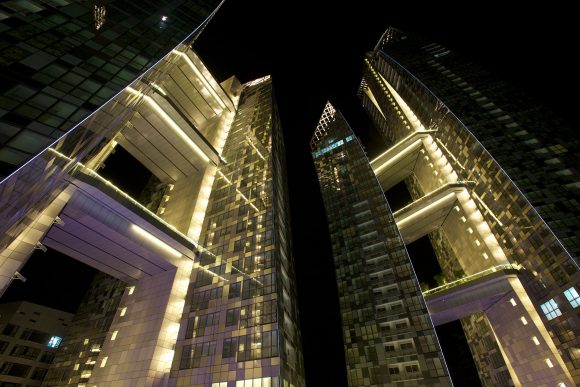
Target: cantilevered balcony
[
  {"x": 427, "y": 213},
  {"x": 474, "y": 293}
]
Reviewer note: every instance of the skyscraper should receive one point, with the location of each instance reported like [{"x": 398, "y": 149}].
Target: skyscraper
[
  {"x": 80, "y": 348},
  {"x": 494, "y": 179},
  {"x": 204, "y": 250},
  {"x": 31, "y": 334},
  {"x": 388, "y": 335},
  {"x": 241, "y": 317}
]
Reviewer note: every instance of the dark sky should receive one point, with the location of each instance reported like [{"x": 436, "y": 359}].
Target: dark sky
[{"x": 314, "y": 52}]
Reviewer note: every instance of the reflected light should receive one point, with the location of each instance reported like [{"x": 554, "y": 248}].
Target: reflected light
[
  {"x": 155, "y": 240},
  {"x": 201, "y": 77},
  {"x": 170, "y": 121}
]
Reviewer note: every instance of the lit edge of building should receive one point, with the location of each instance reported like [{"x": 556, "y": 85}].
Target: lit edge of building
[{"x": 402, "y": 106}]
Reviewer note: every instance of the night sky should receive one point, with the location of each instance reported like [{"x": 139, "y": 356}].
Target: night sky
[{"x": 314, "y": 52}]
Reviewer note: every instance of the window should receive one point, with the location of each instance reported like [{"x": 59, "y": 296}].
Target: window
[
  {"x": 258, "y": 313},
  {"x": 194, "y": 356},
  {"x": 15, "y": 369},
  {"x": 232, "y": 317},
  {"x": 39, "y": 373},
  {"x": 10, "y": 330},
  {"x": 54, "y": 341},
  {"x": 235, "y": 289},
  {"x": 257, "y": 346},
  {"x": 394, "y": 370},
  {"x": 551, "y": 309},
  {"x": 47, "y": 357},
  {"x": 230, "y": 347},
  {"x": 407, "y": 345},
  {"x": 572, "y": 297},
  {"x": 35, "y": 336},
  {"x": 200, "y": 300},
  {"x": 25, "y": 352}
]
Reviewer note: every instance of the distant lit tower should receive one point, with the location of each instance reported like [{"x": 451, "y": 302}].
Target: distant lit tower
[
  {"x": 495, "y": 181},
  {"x": 388, "y": 335},
  {"x": 78, "y": 353},
  {"x": 204, "y": 289}
]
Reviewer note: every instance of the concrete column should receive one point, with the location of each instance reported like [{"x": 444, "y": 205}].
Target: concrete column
[
  {"x": 139, "y": 347},
  {"x": 527, "y": 348}
]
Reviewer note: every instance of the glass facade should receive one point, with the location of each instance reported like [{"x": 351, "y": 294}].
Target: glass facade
[
  {"x": 389, "y": 337},
  {"x": 205, "y": 249},
  {"x": 490, "y": 137},
  {"x": 240, "y": 319},
  {"x": 61, "y": 60}
]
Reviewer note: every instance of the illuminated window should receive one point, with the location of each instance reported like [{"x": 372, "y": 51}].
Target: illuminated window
[
  {"x": 104, "y": 361},
  {"x": 114, "y": 335},
  {"x": 131, "y": 289},
  {"x": 523, "y": 320},
  {"x": 551, "y": 309},
  {"x": 535, "y": 340},
  {"x": 573, "y": 297},
  {"x": 54, "y": 341},
  {"x": 549, "y": 363},
  {"x": 123, "y": 311},
  {"x": 513, "y": 302}
]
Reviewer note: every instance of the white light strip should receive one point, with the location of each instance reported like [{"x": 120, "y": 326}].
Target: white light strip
[
  {"x": 487, "y": 208},
  {"x": 224, "y": 177},
  {"x": 238, "y": 191},
  {"x": 450, "y": 154},
  {"x": 253, "y": 146},
  {"x": 371, "y": 96},
  {"x": 427, "y": 208},
  {"x": 155, "y": 240},
  {"x": 197, "y": 265},
  {"x": 170, "y": 121},
  {"x": 409, "y": 114},
  {"x": 94, "y": 174},
  {"x": 391, "y": 148},
  {"x": 400, "y": 155},
  {"x": 201, "y": 77},
  {"x": 246, "y": 199}
]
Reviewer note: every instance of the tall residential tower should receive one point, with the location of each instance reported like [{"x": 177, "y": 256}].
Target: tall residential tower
[
  {"x": 204, "y": 251},
  {"x": 388, "y": 335},
  {"x": 494, "y": 179}
]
